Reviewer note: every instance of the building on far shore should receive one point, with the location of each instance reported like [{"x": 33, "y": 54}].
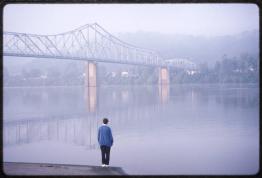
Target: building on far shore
[{"x": 182, "y": 63}]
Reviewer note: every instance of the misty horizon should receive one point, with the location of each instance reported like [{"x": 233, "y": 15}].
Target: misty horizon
[{"x": 187, "y": 19}]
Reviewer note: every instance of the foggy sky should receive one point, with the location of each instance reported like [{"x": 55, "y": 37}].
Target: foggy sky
[{"x": 190, "y": 19}]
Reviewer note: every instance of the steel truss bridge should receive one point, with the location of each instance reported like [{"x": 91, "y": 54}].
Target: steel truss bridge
[{"x": 89, "y": 43}]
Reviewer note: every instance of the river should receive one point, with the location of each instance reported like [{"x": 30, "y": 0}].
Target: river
[{"x": 170, "y": 130}]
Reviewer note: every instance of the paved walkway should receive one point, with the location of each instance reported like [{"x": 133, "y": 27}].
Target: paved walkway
[{"x": 11, "y": 168}]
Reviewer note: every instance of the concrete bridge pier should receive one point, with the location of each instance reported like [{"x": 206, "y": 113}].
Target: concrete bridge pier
[
  {"x": 163, "y": 81},
  {"x": 163, "y": 78},
  {"x": 91, "y": 74},
  {"x": 91, "y": 86}
]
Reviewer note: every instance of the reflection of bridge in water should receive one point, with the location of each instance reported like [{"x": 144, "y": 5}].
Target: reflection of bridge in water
[
  {"x": 80, "y": 128},
  {"x": 77, "y": 130},
  {"x": 48, "y": 102},
  {"x": 68, "y": 130}
]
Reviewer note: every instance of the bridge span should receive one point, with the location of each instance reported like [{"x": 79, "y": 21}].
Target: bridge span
[{"x": 90, "y": 43}]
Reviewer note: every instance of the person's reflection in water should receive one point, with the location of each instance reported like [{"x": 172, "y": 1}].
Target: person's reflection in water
[{"x": 105, "y": 140}]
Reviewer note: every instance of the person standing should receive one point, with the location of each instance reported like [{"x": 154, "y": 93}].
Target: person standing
[{"x": 105, "y": 140}]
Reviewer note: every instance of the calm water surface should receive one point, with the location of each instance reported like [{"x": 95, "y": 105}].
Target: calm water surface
[{"x": 181, "y": 129}]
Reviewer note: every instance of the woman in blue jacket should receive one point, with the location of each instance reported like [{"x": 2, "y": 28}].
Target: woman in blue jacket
[{"x": 105, "y": 140}]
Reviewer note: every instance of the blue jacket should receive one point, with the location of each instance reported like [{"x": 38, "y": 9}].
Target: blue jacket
[{"x": 105, "y": 136}]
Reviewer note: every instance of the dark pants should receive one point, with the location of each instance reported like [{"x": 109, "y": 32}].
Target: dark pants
[{"x": 105, "y": 150}]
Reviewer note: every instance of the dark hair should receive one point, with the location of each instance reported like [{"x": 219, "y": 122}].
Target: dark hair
[{"x": 105, "y": 120}]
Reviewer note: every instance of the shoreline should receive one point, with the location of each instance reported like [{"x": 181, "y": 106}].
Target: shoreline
[{"x": 16, "y": 168}]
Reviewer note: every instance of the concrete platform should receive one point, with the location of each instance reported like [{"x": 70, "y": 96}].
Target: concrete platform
[{"x": 12, "y": 168}]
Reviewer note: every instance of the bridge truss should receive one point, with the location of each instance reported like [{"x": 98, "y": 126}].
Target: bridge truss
[{"x": 90, "y": 42}]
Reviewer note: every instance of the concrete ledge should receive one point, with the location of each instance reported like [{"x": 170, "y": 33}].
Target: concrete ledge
[{"x": 13, "y": 168}]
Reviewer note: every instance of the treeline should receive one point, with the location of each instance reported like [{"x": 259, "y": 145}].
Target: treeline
[
  {"x": 242, "y": 69},
  {"x": 39, "y": 76}
]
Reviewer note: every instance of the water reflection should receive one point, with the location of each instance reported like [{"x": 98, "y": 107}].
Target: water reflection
[
  {"x": 61, "y": 114},
  {"x": 72, "y": 131},
  {"x": 91, "y": 98},
  {"x": 163, "y": 93},
  {"x": 237, "y": 98},
  {"x": 140, "y": 117}
]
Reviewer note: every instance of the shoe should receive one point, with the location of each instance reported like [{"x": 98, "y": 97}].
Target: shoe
[
  {"x": 107, "y": 165},
  {"x": 103, "y": 165}
]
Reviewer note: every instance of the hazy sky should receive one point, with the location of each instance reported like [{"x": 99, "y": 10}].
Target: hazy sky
[{"x": 193, "y": 19}]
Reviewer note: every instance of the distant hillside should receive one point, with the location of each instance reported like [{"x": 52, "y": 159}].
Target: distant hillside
[{"x": 197, "y": 48}]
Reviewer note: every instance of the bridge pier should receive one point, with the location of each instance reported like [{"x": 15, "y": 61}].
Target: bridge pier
[
  {"x": 163, "y": 78},
  {"x": 90, "y": 86},
  {"x": 163, "y": 81},
  {"x": 91, "y": 74}
]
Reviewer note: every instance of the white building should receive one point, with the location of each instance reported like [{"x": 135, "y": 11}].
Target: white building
[{"x": 124, "y": 74}]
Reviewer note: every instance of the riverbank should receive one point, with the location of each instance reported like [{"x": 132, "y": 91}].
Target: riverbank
[{"x": 13, "y": 168}]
